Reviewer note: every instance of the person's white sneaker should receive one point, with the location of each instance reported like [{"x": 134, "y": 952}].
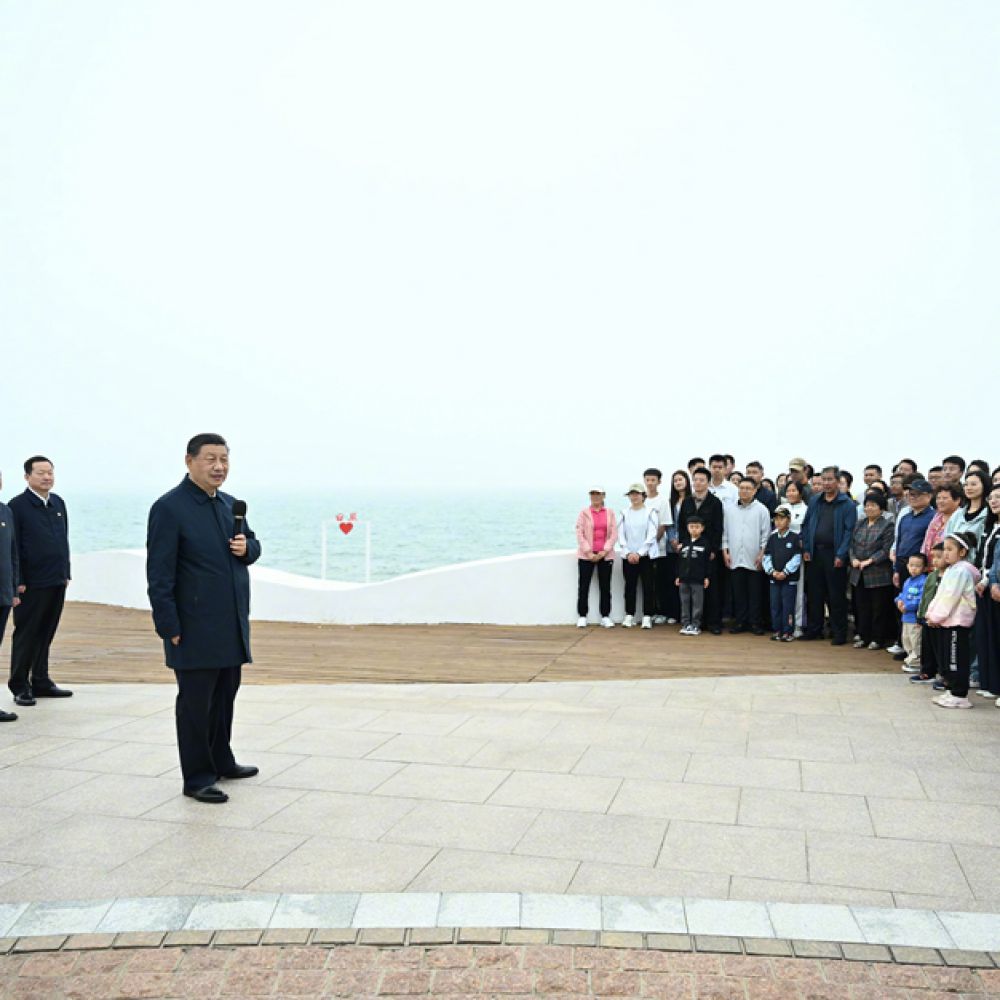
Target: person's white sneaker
[
  {"x": 671, "y": 621},
  {"x": 581, "y": 623},
  {"x": 907, "y": 669},
  {"x": 629, "y": 621},
  {"x": 985, "y": 694},
  {"x": 695, "y": 630},
  {"x": 874, "y": 645},
  {"x": 647, "y": 622},
  {"x": 948, "y": 700},
  {"x": 660, "y": 620},
  {"x": 607, "y": 622},
  {"x": 797, "y": 633},
  {"x": 859, "y": 643},
  {"x": 894, "y": 649}
]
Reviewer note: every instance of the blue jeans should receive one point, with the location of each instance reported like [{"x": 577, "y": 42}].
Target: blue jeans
[{"x": 783, "y": 606}]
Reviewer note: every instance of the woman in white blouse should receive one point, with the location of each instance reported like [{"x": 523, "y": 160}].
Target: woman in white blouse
[{"x": 638, "y": 547}]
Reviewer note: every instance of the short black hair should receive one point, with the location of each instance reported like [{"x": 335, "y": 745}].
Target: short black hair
[
  {"x": 755, "y": 465},
  {"x": 29, "y": 463},
  {"x": 955, "y": 492},
  {"x": 716, "y": 458},
  {"x": 877, "y": 497},
  {"x": 701, "y": 471},
  {"x": 199, "y": 441},
  {"x": 652, "y": 472},
  {"x": 876, "y": 467},
  {"x": 835, "y": 469},
  {"x": 937, "y": 547},
  {"x": 918, "y": 555},
  {"x": 936, "y": 468},
  {"x": 909, "y": 461},
  {"x": 910, "y": 479},
  {"x": 809, "y": 470},
  {"x": 730, "y": 459},
  {"x": 695, "y": 461},
  {"x": 954, "y": 460},
  {"x": 848, "y": 476}
]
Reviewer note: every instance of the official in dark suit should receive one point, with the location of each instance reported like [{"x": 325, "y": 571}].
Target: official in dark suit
[
  {"x": 199, "y": 590},
  {"x": 42, "y": 530},
  {"x": 9, "y": 577}
]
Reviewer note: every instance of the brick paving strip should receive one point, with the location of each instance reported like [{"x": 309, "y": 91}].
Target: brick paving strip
[{"x": 481, "y": 962}]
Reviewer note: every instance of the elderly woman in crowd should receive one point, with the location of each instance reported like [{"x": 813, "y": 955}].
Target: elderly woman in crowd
[{"x": 871, "y": 575}]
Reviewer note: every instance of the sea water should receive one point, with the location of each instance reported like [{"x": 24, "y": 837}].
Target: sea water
[{"x": 409, "y": 531}]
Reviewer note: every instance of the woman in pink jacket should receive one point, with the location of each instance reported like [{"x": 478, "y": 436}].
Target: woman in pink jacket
[
  {"x": 596, "y": 534},
  {"x": 953, "y": 613}
]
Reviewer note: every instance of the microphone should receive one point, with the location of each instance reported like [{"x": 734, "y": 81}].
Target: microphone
[{"x": 239, "y": 516}]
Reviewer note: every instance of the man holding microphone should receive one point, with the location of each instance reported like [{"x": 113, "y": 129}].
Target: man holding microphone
[{"x": 198, "y": 548}]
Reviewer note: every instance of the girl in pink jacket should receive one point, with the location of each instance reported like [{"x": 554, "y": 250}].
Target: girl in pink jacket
[
  {"x": 952, "y": 614},
  {"x": 596, "y": 534}
]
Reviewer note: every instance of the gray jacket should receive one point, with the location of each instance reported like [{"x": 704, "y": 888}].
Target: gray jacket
[
  {"x": 745, "y": 531},
  {"x": 10, "y": 574}
]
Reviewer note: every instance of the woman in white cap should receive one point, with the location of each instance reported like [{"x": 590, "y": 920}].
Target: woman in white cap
[
  {"x": 596, "y": 534},
  {"x": 637, "y": 526}
]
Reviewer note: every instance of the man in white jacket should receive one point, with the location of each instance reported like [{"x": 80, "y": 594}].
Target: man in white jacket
[{"x": 745, "y": 531}]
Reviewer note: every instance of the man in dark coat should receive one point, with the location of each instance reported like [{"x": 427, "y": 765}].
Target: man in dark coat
[
  {"x": 10, "y": 577},
  {"x": 199, "y": 590},
  {"x": 42, "y": 529}
]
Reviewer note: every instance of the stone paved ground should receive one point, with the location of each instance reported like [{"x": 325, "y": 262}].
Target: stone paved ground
[
  {"x": 472, "y": 971},
  {"x": 658, "y": 787}
]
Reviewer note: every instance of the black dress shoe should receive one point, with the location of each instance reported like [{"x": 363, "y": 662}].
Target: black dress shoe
[
  {"x": 757, "y": 630},
  {"x": 737, "y": 630},
  {"x": 7, "y": 716},
  {"x": 716, "y": 630},
  {"x": 241, "y": 771},
  {"x": 211, "y": 794},
  {"x": 838, "y": 642},
  {"x": 52, "y": 692},
  {"x": 24, "y": 700}
]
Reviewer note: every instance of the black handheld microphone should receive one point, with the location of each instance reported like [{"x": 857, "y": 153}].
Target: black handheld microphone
[{"x": 239, "y": 516}]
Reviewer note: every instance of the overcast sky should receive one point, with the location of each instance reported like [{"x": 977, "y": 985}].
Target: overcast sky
[{"x": 511, "y": 243}]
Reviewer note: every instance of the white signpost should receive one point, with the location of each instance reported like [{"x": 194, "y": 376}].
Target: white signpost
[{"x": 346, "y": 523}]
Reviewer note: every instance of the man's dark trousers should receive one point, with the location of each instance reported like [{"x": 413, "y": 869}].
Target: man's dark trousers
[
  {"x": 4, "y": 615},
  {"x": 826, "y": 587},
  {"x": 204, "y": 713},
  {"x": 746, "y": 597},
  {"x": 716, "y": 594},
  {"x": 36, "y": 619}
]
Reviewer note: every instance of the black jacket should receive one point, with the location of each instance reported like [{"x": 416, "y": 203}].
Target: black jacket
[
  {"x": 42, "y": 531},
  {"x": 693, "y": 562},
  {"x": 10, "y": 574},
  {"x": 783, "y": 550},
  {"x": 710, "y": 512},
  {"x": 197, "y": 588}
]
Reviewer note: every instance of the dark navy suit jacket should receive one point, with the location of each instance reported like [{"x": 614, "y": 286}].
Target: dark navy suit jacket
[
  {"x": 197, "y": 588},
  {"x": 42, "y": 539},
  {"x": 10, "y": 574}
]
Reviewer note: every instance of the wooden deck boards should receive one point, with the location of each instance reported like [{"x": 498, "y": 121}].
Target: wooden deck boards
[{"x": 97, "y": 643}]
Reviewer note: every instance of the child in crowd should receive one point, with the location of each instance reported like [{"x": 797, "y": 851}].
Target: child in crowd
[
  {"x": 930, "y": 658},
  {"x": 782, "y": 558},
  {"x": 693, "y": 573},
  {"x": 953, "y": 611},
  {"x": 908, "y": 602}
]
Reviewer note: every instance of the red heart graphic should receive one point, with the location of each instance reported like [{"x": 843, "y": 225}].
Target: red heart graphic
[{"x": 346, "y": 527}]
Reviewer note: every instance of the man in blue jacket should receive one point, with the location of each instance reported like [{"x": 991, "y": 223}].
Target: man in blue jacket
[
  {"x": 42, "y": 529},
  {"x": 826, "y": 542},
  {"x": 10, "y": 577},
  {"x": 199, "y": 590}
]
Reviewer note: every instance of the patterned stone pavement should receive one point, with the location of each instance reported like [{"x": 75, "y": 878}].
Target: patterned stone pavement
[{"x": 507, "y": 971}]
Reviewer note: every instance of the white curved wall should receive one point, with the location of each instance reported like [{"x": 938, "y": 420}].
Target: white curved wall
[{"x": 538, "y": 588}]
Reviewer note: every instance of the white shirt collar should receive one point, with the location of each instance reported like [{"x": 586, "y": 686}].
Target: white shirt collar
[{"x": 45, "y": 500}]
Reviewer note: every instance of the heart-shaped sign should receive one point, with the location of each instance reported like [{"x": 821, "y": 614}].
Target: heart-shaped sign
[{"x": 346, "y": 527}]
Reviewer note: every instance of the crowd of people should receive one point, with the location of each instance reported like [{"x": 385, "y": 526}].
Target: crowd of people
[{"x": 911, "y": 568}]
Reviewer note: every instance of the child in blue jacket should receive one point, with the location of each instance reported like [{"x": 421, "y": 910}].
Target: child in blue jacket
[{"x": 908, "y": 602}]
